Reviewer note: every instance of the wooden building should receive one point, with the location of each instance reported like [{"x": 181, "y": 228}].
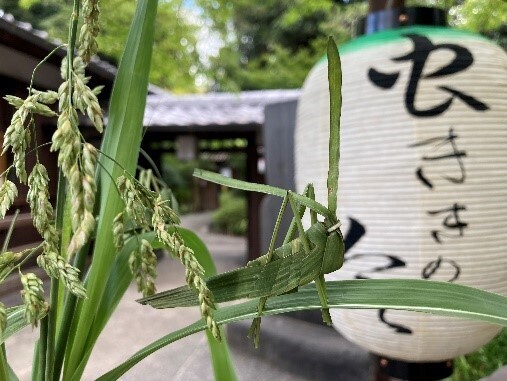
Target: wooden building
[{"x": 21, "y": 49}]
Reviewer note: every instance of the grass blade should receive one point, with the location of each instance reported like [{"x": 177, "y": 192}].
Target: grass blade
[
  {"x": 335, "y": 95},
  {"x": 15, "y": 322},
  {"x": 262, "y": 188},
  {"x": 221, "y": 360},
  {"x": 11, "y": 374},
  {"x": 122, "y": 141},
  {"x": 440, "y": 298},
  {"x": 120, "y": 279},
  {"x": 36, "y": 359}
]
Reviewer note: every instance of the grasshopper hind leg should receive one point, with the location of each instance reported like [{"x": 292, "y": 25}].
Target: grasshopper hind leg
[
  {"x": 320, "y": 281},
  {"x": 254, "y": 331}
]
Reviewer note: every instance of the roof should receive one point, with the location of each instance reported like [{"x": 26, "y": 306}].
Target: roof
[
  {"x": 27, "y": 32},
  {"x": 41, "y": 38},
  {"x": 213, "y": 109}
]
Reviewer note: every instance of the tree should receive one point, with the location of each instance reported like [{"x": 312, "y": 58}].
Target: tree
[
  {"x": 49, "y": 15},
  {"x": 175, "y": 59},
  {"x": 273, "y": 44},
  {"x": 265, "y": 44}
]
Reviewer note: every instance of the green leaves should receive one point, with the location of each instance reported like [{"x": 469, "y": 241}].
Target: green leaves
[
  {"x": 223, "y": 367},
  {"x": 261, "y": 188},
  {"x": 121, "y": 277},
  {"x": 440, "y": 298},
  {"x": 15, "y": 322}
]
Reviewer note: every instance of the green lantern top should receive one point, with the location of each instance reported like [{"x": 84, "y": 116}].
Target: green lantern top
[{"x": 394, "y": 35}]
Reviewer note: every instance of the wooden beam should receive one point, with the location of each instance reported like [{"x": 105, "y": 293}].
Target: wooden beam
[{"x": 378, "y": 5}]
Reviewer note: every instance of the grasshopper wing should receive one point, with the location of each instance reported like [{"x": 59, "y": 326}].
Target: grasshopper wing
[
  {"x": 279, "y": 276},
  {"x": 276, "y": 277}
]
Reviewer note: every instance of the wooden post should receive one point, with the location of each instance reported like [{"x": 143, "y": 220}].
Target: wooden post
[
  {"x": 378, "y": 5},
  {"x": 254, "y": 198}
]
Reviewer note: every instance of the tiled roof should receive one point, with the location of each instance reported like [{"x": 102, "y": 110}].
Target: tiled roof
[{"x": 213, "y": 109}]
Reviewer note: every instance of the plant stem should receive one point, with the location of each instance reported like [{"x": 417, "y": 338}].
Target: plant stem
[
  {"x": 51, "y": 318},
  {"x": 48, "y": 338},
  {"x": 41, "y": 353},
  {"x": 55, "y": 284},
  {"x": 67, "y": 317},
  {"x": 4, "y": 375},
  {"x": 40, "y": 64},
  {"x": 35, "y": 364}
]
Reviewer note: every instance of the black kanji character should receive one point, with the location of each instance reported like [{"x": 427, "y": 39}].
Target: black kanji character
[{"x": 423, "y": 47}]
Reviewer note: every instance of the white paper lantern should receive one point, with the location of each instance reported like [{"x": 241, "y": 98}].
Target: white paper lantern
[{"x": 423, "y": 177}]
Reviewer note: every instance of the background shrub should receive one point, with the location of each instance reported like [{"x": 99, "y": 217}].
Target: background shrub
[{"x": 231, "y": 216}]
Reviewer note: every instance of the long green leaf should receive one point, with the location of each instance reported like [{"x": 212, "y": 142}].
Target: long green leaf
[
  {"x": 335, "y": 95},
  {"x": 440, "y": 298},
  {"x": 36, "y": 362},
  {"x": 223, "y": 366},
  {"x": 12, "y": 374},
  {"x": 262, "y": 188},
  {"x": 122, "y": 141},
  {"x": 6, "y": 372},
  {"x": 117, "y": 284},
  {"x": 15, "y": 322},
  {"x": 4, "y": 367},
  {"x": 121, "y": 277}
]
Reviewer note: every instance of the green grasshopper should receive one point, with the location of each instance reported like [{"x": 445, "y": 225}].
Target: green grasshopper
[{"x": 300, "y": 260}]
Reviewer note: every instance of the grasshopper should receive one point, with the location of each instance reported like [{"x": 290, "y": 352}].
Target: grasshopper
[{"x": 299, "y": 260}]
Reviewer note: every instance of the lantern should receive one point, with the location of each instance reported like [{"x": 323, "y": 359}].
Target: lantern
[{"x": 423, "y": 177}]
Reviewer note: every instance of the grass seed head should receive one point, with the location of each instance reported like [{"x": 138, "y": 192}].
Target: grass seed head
[
  {"x": 36, "y": 306},
  {"x": 118, "y": 232},
  {"x": 8, "y": 193},
  {"x": 88, "y": 35},
  {"x": 143, "y": 265}
]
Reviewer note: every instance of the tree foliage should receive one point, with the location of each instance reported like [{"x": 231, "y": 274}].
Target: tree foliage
[
  {"x": 265, "y": 44},
  {"x": 273, "y": 44},
  {"x": 174, "y": 52}
]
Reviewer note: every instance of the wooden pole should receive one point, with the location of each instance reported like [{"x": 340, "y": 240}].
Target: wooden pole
[
  {"x": 254, "y": 199},
  {"x": 378, "y": 5}
]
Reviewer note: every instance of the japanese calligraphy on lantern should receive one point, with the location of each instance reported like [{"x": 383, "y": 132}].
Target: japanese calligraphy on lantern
[
  {"x": 423, "y": 48},
  {"x": 423, "y": 177}
]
